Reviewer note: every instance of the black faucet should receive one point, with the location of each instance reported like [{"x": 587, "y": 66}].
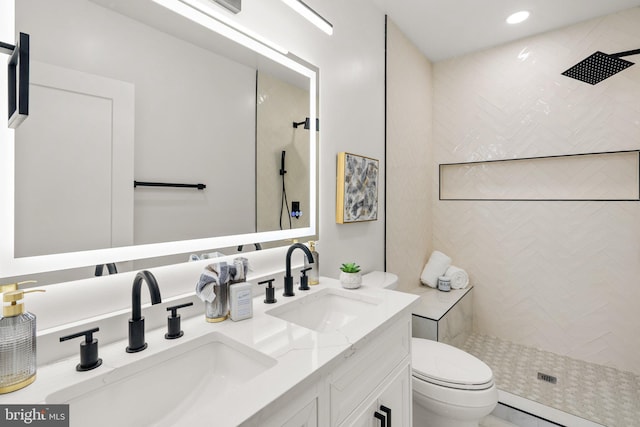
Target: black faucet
[
  {"x": 136, "y": 323},
  {"x": 288, "y": 280},
  {"x": 111, "y": 268},
  {"x": 257, "y": 245}
]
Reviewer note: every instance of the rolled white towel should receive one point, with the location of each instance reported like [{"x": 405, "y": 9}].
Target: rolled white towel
[
  {"x": 459, "y": 277},
  {"x": 436, "y": 267}
]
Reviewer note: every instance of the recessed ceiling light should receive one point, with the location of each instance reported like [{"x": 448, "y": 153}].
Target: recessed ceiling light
[{"x": 518, "y": 17}]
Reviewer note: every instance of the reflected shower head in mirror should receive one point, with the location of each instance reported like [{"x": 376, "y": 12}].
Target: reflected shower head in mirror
[
  {"x": 306, "y": 123},
  {"x": 600, "y": 66}
]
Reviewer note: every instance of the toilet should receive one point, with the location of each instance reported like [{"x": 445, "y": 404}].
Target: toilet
[{"x": 451, "y": 388}]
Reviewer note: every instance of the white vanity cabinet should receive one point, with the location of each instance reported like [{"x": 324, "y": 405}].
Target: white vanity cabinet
[
  {"x": 307, "y": 416},
  {"x": 297, "y": 408},
  {"x": 375, "y": 371},
  {"x": 364, "y": 377},
  {"x": 267, "y": 371},
  {"x": 390, "y": 404}
]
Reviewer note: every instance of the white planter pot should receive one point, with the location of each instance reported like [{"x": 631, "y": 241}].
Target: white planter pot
[{"x": 350, "y": 280}]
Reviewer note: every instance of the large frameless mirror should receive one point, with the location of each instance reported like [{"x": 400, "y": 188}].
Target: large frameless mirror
[{"x": 153, "y": 130}]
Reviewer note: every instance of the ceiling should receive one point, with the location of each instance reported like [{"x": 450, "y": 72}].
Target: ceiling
[{"x": 443, "y": 29}]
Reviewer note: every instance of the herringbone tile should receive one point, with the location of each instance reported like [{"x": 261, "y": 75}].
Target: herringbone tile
[{"x": 560, "y": 276}]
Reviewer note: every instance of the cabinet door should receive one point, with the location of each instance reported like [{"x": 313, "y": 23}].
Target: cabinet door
[
  {"x": 362, "y": 374},
  {"x": 391, "y": 407},
  {"x": 397, "y": 397}
]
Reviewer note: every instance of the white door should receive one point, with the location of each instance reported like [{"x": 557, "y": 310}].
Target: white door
[{"x": 74, "y": 163}]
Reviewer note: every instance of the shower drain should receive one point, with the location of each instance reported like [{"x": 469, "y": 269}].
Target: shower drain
[{"x": 547, "y": 378}]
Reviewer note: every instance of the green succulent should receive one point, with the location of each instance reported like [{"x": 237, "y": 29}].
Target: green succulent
[{"x": 351, "y": 267}]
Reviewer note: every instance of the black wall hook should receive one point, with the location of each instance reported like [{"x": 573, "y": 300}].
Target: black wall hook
[{"x": 18, "y": 87}]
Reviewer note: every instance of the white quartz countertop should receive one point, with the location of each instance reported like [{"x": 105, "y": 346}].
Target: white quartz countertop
[
  {"x": 299, "y": 354},
  {"x": 434, "y": 304}
]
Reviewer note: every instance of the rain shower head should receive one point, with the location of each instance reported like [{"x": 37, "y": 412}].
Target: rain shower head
[{"x": 600, "y": 66}]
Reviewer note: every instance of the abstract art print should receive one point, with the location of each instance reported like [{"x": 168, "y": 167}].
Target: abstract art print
[{"x": 357, "y": 188}]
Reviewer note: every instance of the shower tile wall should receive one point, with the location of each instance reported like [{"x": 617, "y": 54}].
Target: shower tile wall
[
  {"x": 278, "y": 104},
  {"x": 560, "y": 276}
]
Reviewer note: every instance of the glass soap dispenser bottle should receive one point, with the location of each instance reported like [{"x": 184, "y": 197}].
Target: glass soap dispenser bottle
[
  {"x": 17, "y": 343},
  {"x": 314, "y": 273}
]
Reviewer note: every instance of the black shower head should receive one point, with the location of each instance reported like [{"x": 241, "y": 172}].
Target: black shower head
[
  {"x": 600, "y": 66},
  {"x": 306, "y": 124}
]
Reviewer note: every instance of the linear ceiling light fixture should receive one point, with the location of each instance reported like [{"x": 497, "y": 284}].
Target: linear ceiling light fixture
[
  {"x": 234, "y": 6},
  {"x": 311, "y": 15},
  {"x": 215, "y": 20}
]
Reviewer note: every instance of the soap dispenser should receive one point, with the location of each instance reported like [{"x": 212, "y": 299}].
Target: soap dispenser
[
  {"x": 14, "y": 286},
  {"x": 17, "y": 343},
  {"x": 314, "y": 268}
]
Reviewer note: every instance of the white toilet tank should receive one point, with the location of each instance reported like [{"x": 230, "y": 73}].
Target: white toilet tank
[{"x": 380, "y": 279}]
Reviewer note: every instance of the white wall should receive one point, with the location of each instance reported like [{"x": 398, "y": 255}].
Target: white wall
[
  {"x": 561, "y": 276},
  {"x": 208, "y": 138},
  {"x": 351, "y": 113},
  {"x": 409, "y": 151}
]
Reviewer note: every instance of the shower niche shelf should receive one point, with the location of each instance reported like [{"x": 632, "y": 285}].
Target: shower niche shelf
[{"x": 604, "y": 177}]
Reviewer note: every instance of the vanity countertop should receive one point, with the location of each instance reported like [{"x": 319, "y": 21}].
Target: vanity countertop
[{"x": 299, "y": 354}]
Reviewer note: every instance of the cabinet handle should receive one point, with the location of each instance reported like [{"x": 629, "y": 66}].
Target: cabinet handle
[
  {"x": 387, "y": 411},
  {"x": 382, "y": 418}
]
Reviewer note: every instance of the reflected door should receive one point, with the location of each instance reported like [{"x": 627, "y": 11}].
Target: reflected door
[{"x": 80, "y": 125}]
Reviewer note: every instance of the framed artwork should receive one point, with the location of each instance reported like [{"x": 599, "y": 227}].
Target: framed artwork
[{"x": 357, "y": 188}]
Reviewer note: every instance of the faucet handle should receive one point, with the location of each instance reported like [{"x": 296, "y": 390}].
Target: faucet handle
[
  {"x": 88, "y": 350},
  {"x": 304, "y": 279},
  {"x": 173, "y": 322},
  {"x": 270, "y": 291}
]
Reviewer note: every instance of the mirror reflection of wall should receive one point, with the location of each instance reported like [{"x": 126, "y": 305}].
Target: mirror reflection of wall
[
  {"x": 193, "y": 120},
  {"x": 279, "y": 105}
]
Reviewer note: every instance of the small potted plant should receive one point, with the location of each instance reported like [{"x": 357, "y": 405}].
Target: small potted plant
[{"x": 350, "y": 276}]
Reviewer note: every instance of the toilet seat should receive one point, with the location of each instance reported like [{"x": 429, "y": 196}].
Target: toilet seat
[{"x": 446, "y": 366}]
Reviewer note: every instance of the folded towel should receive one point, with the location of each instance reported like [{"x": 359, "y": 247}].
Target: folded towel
[
  {"x": 436, "y": 267},
  {"x": 459, "y": 277},
  {"x": 212, "y": 275}
]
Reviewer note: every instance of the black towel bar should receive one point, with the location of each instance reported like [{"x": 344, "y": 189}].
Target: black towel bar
[{"x": 165, "y": 184}]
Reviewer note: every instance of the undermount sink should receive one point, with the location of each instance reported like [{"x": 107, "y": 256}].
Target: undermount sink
[
  {"x": 327, "y": 310},
  {"x": 162, "y": 388}
]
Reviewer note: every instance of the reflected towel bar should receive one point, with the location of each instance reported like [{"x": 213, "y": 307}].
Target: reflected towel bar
[{"x": 165, "y": 184}]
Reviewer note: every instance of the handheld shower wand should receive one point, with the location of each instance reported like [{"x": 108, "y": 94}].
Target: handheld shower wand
[{"x": 283, "y": 200}]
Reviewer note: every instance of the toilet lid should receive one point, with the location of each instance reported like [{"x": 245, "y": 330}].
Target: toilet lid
[{"x": 442, "y": 364}]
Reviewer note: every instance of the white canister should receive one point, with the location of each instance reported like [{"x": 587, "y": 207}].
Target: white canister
[{"x": 444, "y": 283}]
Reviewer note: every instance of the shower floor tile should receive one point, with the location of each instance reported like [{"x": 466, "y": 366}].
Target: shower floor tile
[{"x": 594, "y": 392}]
